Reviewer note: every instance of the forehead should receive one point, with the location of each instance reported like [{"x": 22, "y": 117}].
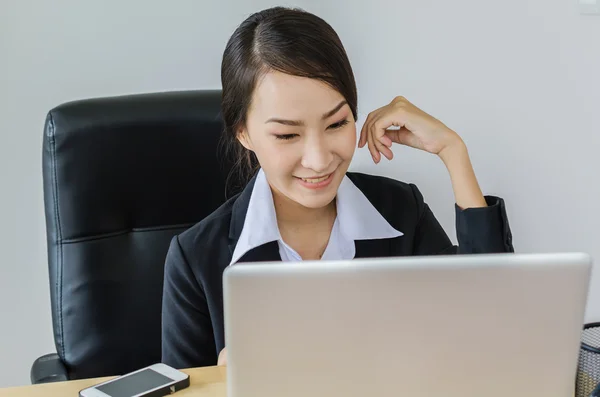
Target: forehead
[{"x": 284, "y": 95}]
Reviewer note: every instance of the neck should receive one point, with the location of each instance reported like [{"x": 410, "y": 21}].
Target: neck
[{"x": 290, "y": 213}]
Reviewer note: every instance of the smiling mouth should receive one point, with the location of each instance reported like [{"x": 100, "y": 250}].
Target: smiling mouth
[{"x": 316, "y": 180}]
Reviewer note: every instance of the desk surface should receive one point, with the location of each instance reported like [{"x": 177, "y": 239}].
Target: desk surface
[{"x": 205, "y": 382}]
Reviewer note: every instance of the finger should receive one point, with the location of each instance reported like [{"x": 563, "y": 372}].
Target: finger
[
  {"x": 386, "y": 151},
  {"x": 385, "y": 139},
  {"x": 380, "y": 144},
  {"x": 367, "y": 125},
  {"x": 405, "y": 137},
  {"x": 382, "y": 141},
  {"x": 365, "y": 130},
  {"x": 372, "y": 135},
  {"x": 388, "y": 125},
  {"x": 372, "y": 148}
]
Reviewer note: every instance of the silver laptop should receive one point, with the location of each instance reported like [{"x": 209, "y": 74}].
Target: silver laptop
[{"x": 462, "y": 326}]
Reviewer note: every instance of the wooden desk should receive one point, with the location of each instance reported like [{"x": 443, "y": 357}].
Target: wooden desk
[{"x": 205, "y": 382}]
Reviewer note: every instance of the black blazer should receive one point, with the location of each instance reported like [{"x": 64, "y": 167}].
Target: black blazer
[{"x": 192, "y": 314}]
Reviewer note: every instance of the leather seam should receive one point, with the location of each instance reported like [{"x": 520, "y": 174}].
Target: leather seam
[
  {"x": 59, "y": 254},
  {"x": 126, "y": 231}
]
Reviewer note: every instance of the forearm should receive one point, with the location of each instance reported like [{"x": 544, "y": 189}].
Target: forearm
[{"x": 467, "y": 192}]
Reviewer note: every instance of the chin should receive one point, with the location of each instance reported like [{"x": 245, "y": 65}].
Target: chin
[
  {"x": 316, "y": 203},
  {"x": 316, "y": 200}
]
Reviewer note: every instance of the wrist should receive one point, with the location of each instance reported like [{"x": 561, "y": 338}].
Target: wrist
[
  {"x": 464, "y": 183},
  {"x": 455, "y": 152}
]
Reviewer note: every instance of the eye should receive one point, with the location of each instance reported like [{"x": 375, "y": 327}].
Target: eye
[
  {"x": 286, "y": 137},
  {"x": 338, "y": 125}
]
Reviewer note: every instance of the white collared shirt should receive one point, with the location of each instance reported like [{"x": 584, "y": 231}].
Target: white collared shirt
[{"x": 356, "y": 219}]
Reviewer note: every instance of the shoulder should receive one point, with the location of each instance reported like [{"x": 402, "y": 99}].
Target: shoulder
[
  {"x": 397, "y": 201},
  {"x": 207, "y": 241},
  {"x": 211, "y": 226}
]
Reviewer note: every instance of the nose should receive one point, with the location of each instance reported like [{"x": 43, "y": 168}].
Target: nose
[{"x": 317, "y": 155}]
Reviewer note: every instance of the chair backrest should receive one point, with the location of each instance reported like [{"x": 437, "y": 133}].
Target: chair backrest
[{"x": 122, "y": 176}]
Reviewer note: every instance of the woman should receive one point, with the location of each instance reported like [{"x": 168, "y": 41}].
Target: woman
[{"x": 290, "y": 103}]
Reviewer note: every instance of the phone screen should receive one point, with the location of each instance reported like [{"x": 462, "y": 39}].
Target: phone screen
[{"x": 137, "y": 383}]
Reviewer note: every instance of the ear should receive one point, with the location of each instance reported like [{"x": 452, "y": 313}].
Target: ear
[{"x": 243, "y": 137}]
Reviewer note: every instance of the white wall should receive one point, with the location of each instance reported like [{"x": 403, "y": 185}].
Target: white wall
[{"x": 518, "y": 79}]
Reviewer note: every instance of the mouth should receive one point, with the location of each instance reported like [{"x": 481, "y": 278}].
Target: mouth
[{"x": 316, "y": 182}]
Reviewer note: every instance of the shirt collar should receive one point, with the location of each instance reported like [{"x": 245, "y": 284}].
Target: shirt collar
[{"x": 358, "y": 218}]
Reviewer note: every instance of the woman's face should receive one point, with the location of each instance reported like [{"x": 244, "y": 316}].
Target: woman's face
[{"x": 304, "y": 136}]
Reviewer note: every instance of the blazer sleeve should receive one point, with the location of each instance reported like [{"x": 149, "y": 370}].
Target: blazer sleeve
[
  {"x": 478, "y": 230},
  {"x": 187, "y": 333}
]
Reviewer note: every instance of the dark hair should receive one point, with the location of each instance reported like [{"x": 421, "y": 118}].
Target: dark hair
[{"x": 287, "y": 40}]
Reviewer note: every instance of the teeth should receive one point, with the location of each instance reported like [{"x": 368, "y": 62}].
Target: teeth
[{"x": 317, "y": 180}]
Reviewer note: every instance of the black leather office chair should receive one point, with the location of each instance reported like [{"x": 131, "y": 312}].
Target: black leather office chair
[{"x": 122, "y": 176}]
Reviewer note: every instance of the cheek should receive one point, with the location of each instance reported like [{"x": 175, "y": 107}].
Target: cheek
[
  {"x": 277, "y": 158},
  {"x": 345, "y": 143}
]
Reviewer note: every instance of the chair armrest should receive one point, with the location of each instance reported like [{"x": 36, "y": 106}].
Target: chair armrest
[{"x": 48, "y": 368}]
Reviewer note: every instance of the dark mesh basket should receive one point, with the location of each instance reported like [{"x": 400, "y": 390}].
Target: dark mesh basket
[{"x": 588, "y": 373}]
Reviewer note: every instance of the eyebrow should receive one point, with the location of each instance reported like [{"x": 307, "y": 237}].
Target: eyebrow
[{"x": 299, "y": 123}]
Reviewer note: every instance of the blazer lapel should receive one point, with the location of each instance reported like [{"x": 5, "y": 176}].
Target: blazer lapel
[
  {"x": 238, "y": 214},
  {"x": 264, "y": 253},
  {"x": 268, "y": 252},
  {"x": 373, "y": 248}
]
